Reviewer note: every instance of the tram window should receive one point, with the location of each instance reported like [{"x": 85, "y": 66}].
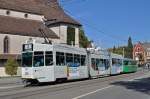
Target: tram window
[
  {"x": 27, "y": 59},
  {"x": 83, "y": 60},
  {"x": 126, "y": 62},
  {"x": 49, "y": 58},
  {"x": 119, "y": 62},
  {"x": 77, "y": 59},
  {"x": 101, "y": 63},
  {"x": 114, "y": 61},
  {"x": 97, "y": 63},
  {"x": 106, "y": 63},
  {"x": 60, "y": 59},
  {"x": 69, "y": 59},
  {"x": 130, "y": 63},
  {"x": 93, "y": 63},
  {"x": 38, "y": 59}
]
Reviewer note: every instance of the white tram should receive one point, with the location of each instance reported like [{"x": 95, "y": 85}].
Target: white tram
[
  {"x": 48, "y": 63},
  {"x": 116, "y": 64},
  {"x": 99, "y": 62}
]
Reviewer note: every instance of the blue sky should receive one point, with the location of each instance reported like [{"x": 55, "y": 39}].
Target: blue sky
[{"x": 111, "y": 22}]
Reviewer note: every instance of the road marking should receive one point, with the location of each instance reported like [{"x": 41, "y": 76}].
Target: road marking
[
  {"x": 9, "y": 87},
  {"x": 86, "y": 94},
  {"x": 78, "y": 97}
]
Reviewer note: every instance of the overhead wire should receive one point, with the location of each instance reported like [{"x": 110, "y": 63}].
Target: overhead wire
[{"x": 90, "y": 25}]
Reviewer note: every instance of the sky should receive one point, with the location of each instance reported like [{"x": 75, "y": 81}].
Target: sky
[{"x": 110, "y": 22}]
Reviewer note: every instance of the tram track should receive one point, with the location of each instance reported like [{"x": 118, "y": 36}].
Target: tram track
[{"x": 32, "y": 91}]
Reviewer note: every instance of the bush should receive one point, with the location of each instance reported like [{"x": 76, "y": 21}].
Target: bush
[{"x": 11, "y": 67}]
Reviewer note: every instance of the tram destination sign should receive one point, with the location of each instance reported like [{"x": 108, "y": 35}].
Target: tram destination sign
[{"x": 27, "y": 47}]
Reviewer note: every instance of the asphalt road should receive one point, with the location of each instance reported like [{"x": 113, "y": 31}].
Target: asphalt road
[{"x": 127, "y": 86}]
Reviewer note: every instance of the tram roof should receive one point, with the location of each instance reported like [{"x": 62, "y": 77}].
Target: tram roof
[{"x": 59, "y": 48}]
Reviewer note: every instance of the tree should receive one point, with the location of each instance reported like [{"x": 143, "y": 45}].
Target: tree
[
  {"x": 11, "y": 67},
  {"x": 130, "y": 45},
  {"x": 114, "y": 49},
  {"x": 129, "y": 48},
  {"x": 83, "y": 40}
]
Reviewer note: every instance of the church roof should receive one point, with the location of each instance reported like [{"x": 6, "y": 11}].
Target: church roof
[
  {"x": 49, "y": 8},
  {"x": 24, "y": 27},
  {"x": 146, "y": 45}
]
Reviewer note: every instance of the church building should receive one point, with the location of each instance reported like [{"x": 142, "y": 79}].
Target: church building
[{"x": 21, "y": 20}]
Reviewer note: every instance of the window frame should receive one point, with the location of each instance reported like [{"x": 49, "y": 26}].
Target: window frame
[
  {"x": 47, "y": 55},
  {"x": 68, "y": 55},
  {"x": 60, "y": 54},
  {"x": 85, "y": 60},
  {"x": 43, "y": 64},
  {"x": 78, "y": 57}
]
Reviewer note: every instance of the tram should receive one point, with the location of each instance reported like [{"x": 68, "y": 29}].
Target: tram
[
  {"x": 54, "y": 62},
  {"x": 129, "y": 65},
  {"x": 116, "y": 64},
  {"x": 49, "y": 63},
  {"x": 99, "y": 62}
]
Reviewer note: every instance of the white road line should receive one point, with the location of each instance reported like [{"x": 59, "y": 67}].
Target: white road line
[
  {"x": 78, "y": 97},
  {"x": 86, "y": 94},
  {"x": 9, "y": 87}
]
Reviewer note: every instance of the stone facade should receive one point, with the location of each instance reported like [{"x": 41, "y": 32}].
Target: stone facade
[
  {"x": 61, "y": 31},
  {"x": 59, "y": 28}
]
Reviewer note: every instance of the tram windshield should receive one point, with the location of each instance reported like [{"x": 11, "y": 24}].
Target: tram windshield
[
  {"x": 38, "y": 59},
  {"x": 27, "y": 59}
]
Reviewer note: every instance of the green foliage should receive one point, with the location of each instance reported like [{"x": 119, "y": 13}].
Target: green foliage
[
  {"x": 83, "y": 40},
  {"x": 114, "y": 49},
  {"x": 70, "y": 36},
  {"x": 11, "y": 67},
  {"x": 127, "y": 49}
]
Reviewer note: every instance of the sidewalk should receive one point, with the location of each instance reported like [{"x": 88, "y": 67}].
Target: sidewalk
[{"x": 10, "y": 81}]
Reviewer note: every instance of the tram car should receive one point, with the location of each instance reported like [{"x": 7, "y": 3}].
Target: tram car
[
  {"x": 99, "y": 62},
  {"x": 116, "y": 64},
  {"x": 129, "y": 65},
  {"x": 58, "y": 62},
  {"x": 49, "y": 63}
]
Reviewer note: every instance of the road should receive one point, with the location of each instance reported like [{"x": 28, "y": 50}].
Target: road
[{"x": 126, "y": 86}]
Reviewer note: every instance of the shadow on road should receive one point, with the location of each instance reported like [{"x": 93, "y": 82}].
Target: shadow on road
[{"x": 139, "y": 85}]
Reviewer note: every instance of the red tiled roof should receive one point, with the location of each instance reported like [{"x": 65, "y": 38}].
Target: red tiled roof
[
  {"x": 24, "y": 27},
  {"x": 49, "y": 8}
]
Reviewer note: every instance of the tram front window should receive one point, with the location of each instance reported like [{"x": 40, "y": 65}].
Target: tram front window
[
  {"x": 27, "y": 59},
  {"x": 38, "y": 59}
]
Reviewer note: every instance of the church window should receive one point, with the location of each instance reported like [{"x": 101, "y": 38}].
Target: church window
[{"x": 6, "y": 44}]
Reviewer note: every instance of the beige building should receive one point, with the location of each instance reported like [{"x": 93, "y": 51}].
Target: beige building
[{"x": 21, "y": 20}]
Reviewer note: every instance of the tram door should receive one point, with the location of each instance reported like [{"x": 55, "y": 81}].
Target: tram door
[{"x": 43, "y": 66}]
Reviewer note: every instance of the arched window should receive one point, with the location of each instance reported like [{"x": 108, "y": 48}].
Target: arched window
[{"x": 6, "y": 44}]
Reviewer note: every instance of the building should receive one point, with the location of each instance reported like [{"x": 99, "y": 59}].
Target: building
[
  {"x": 21, "y": 20},
  {"x": 141, "y": 52}
]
